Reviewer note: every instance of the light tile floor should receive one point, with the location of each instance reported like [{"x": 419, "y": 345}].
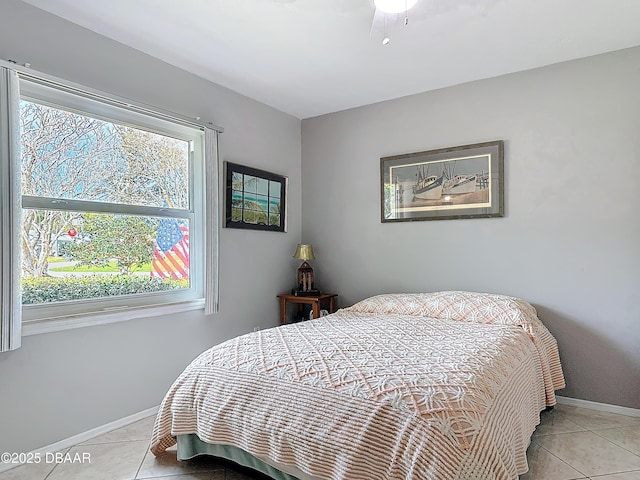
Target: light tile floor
[{"x": 570, "y": 443}]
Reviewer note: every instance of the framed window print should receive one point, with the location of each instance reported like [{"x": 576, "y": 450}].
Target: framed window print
[{"x": 254, "y": 199}]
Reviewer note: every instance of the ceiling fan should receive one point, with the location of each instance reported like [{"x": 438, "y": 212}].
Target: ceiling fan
[{"x": 388, "y": 15}]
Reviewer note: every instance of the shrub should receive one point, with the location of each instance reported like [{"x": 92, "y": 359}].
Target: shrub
[{"x": 55, "y": 289}]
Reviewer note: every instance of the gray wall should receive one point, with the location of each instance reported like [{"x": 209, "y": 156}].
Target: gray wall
[
  {"x": 64, "y": 383},
  {"x": 569, "y": 240}
]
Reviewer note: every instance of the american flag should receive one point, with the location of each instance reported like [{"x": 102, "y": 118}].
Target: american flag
[{"x": 171, "y": 252}]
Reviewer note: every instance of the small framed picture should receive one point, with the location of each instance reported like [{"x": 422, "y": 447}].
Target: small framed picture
[
  {"x": 254, "y": 199},
  {"x": 449, "y": 183}
]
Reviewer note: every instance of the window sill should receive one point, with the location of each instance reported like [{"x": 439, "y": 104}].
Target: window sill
[{"x": 37, "y": 327}]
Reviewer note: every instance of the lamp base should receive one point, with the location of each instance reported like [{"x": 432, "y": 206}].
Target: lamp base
[{"x": 306, "y": 293}]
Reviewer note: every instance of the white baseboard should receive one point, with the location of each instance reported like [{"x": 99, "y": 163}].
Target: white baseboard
[
  {"x": 88, "y": 435},
  {"x": 603, "y": 407}
]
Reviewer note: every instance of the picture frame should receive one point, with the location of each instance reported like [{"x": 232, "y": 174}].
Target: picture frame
[
  {"x": 255, "y": 199},
  {"x": 448, "y": 183}
]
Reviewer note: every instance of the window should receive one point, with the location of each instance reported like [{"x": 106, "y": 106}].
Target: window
[{"x": 112, "y": 205}]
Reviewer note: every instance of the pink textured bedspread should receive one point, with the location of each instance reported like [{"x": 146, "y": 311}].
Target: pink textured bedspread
[{"x": 360, "y": 395}]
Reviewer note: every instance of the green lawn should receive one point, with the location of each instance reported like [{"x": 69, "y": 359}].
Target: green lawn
[
  {"x": 56, "y": 259},
  {"x": 111, "y": 267}
]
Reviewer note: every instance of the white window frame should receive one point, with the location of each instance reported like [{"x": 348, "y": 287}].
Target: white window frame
[{"x": 202, "y": 212}]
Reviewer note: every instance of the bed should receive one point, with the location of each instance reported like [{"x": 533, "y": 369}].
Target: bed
[{"x": 438, "y": 386}]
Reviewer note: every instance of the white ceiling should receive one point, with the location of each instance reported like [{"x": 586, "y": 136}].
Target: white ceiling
[{"x": 311, "y": 57}]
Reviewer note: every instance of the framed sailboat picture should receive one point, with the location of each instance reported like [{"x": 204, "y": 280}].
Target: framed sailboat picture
[
  {"x": 448, "y": 183},
  {"x": 254, "y": 199}
]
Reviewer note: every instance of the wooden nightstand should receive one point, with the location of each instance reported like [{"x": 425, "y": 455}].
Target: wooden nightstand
[{"x": 315, "y": 302}]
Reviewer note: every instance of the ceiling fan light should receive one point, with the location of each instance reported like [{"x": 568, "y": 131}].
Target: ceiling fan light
[{"x": 394, "y": 6}]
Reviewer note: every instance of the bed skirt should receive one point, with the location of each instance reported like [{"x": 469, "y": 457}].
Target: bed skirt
[{"x": 190, "y": 446}]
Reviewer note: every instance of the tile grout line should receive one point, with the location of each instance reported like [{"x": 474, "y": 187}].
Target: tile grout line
[
  {"x": 594, "y": 431},
  {"x": 108, "y": 443},
  {"x": 612, "y": 442},
  {"x": 584, "y": 475},
  {"x": 67, "y": 450},
  {"x": 144, "y": 457},
  {"x": 604, "y": 475}
]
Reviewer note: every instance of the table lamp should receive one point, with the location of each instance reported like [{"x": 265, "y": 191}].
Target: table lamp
[{"x": 305, "y": 280}]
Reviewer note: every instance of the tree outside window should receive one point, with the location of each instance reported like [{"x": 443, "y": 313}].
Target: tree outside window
[{"x": 74, "y": 162}]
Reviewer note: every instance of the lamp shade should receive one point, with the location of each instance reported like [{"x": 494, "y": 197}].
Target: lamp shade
[{"x": 304, "y": 252}]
